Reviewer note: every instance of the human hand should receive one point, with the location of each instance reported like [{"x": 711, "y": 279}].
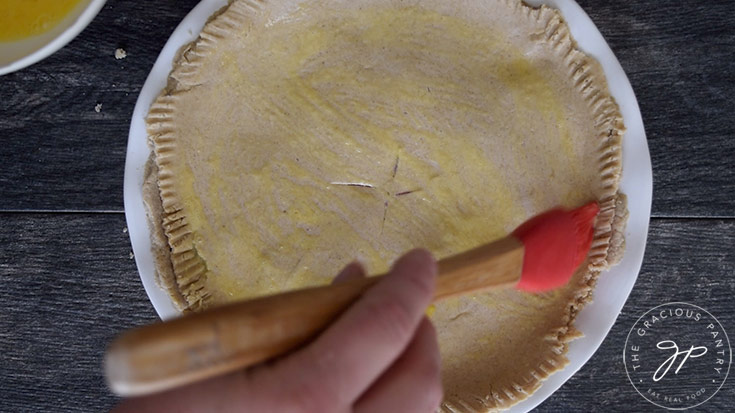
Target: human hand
[{"x": 381, "y": 355}]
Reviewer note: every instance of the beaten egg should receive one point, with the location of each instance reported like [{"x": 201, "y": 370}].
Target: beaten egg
[{"x": 20, "y": 19}]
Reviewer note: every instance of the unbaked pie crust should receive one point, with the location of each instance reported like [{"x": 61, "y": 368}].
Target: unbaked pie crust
[{"x": 294, "y": 137}]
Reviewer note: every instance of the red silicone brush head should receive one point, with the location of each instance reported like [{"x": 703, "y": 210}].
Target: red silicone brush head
[{"x": 556, "y": 242}]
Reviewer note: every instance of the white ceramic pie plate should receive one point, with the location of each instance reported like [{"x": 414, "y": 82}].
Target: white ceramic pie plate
[{"x": 613, "y": 287}]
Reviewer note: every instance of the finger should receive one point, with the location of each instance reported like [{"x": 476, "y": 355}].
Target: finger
[
  {"x": 412, "y": 383},
  {"x": 352, "y": 271},
  {"x": 224, "y": 394},
  {"x": 342, "y": 363}
]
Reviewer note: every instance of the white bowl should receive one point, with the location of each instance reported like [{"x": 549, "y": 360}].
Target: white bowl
[
  {"x": 613, "y": 286},
  {"x": 18, "y": 54}
]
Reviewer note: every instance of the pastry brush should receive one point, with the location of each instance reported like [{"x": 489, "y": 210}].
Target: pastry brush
[{"x": 540, "y": 255}]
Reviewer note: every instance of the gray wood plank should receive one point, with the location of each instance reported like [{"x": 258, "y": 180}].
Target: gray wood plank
[
  {"x": 679, "y": 59},
  {"x": 68, "y": 284},
  {"x": 59, "y": 154}
]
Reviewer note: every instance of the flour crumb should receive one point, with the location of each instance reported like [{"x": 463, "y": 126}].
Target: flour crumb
[
  {"x": 125, "y": 230},
  {"x": 120, "y": 53},
  {"x": 98, "y": 108},
  {"x": 132, "y": 255}
]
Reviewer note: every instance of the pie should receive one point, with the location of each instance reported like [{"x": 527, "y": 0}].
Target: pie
[{"x": 296, "y": 136}]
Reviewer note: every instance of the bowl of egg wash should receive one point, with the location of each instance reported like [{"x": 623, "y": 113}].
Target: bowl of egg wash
[{"x": 31, "y": 30}]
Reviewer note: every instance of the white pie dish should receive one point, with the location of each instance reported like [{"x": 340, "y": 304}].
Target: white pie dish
[{"x": 614, "y": 286}]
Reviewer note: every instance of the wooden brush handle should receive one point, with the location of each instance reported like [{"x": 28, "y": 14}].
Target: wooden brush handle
[{"x": 203, "y": 345}]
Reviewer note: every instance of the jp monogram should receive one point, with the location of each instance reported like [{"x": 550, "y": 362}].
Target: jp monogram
[{"x": 677, "y": 356}]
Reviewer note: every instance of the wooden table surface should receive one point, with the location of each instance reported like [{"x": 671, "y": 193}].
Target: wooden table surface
[{"x": 68, "y": 282}]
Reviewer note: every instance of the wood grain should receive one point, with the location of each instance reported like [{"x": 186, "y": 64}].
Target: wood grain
[
  {"x": 68, "y": 285},
  {"x": 61, "y": 155},
  {"x": 679, "y": 58},
  {"x": 229, "y": 338}
]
